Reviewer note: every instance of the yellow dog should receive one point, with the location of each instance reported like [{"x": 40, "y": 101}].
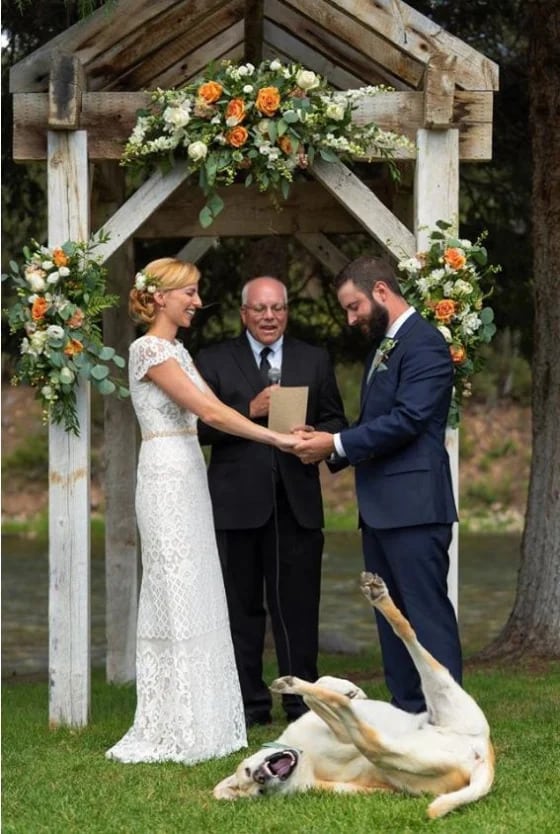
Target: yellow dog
[{"x": 350, "y": 743}]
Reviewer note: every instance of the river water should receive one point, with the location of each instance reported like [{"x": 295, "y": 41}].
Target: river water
[{"x": 487, "y": 583}]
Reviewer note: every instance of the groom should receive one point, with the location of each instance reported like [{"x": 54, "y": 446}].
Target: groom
[{"x": 403, "y": 478}]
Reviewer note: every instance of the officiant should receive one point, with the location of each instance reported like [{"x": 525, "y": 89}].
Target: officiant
[{"x": 268, "y": 510}]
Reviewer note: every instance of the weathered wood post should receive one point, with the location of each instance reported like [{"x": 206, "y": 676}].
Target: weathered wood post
[
  {"x": 437, "y": 198},
  {"x": 121, "y": 540},
  {"x": 69, "y": 456}
]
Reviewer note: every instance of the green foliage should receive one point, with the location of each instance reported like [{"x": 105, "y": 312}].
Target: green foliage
[
  {"x": 60, "y": 295},
  {"x": 29, "y": 460},
  {"x": 59, "y": 781}
]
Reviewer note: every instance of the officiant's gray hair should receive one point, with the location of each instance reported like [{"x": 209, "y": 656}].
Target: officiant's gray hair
[
  {"x": 365, "y": 271},
  {"x": 247, "y": 286}
]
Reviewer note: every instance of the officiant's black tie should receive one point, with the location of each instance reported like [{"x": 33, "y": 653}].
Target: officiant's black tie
[{"x": 264, "y": 366}]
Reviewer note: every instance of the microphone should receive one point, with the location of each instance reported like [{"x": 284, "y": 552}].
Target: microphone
[{"x": 274, "y": 376}]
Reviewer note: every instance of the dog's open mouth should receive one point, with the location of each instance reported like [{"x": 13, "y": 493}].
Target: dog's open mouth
[{"x": 277, "y": 766}]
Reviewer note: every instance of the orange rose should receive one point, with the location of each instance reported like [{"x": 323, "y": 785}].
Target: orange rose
[
  {"x": 268, "y": 100},
  {"x": 445, "y": 310},
  {"x": 455, "y": 258},
  {"x": 59, "y": 258},
  {"x": 235, "y": 111},
  {"x": 237, "y": 136},
  {"x": 210, "y": 91},
  {"x": 285, "y": 144},
  {"x": 73, "y": 346},
  {"x": 458, "y": 354},
  {"x": 76, "y": 320},
  {"x": 39, "y": 308}
]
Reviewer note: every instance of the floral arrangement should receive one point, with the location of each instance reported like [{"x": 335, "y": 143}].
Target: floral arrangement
[
  {"x": 445, "y": 285},
  {"x": 267, "y": 123},
  {"x": 60, "y": 298}
]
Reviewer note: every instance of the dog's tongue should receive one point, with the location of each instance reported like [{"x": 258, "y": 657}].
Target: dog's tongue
[{"x": 282, "y": 765}]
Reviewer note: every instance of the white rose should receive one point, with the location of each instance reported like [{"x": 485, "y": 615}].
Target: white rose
[
  {"x": 47, "y": 392},
  {"x": 263, "y": 126},
  {"x": 177, "y": 116},
  {"x": 36, "y": 280},
  {"x": 53, "y": 277},
  {"x": 307, "y": 80},
  {"x": 54, "y": 331},
  {"x": 275, "y": 65},
  {"x": 67, "y": 376},
  {"x": 46, "y": 265},
  {"x": 37, "y": 341},
  {"x": 445, "y": 332},
  {"x": 335, "y": 111},
  {"x": 197, "y": 151},
  {"x": 248, "y": 88},
  {"x": 63, "y": 271}
]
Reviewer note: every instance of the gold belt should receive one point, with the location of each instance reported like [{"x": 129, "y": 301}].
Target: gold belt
[{"x": 151, "y": 435}]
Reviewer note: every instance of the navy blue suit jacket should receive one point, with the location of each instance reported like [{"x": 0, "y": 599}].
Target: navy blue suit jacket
[{"x": 397, "y": 445}]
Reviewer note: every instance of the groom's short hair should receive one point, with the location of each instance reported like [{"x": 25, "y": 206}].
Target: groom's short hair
[{"x": 365, "y": 271}]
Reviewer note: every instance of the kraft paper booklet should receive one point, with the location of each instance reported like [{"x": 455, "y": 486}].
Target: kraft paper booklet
[{"x": 288, "y": 408}]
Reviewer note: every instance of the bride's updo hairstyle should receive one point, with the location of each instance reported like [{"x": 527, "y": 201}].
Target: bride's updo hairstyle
[{"x": 163, "y": 274}]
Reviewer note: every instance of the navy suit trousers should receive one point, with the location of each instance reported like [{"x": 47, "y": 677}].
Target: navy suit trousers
[{"x": 414, "y": 562}]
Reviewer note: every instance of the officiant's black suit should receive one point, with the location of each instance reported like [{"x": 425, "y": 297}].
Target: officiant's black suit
[{"x": 268, "y": 511}]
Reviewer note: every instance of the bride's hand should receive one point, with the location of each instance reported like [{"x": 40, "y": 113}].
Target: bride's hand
[{"x": 285, "y": 442}]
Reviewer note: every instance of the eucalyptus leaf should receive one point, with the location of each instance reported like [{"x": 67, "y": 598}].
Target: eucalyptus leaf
[
  {"x": 215, "y": 204},
  {"x": 205, "y": 217},
  {"x": 119, "y": 361},
  {"x": 106, "y": 386},
  {"x": 486, "y": 315},
  {"x": 99, "y": 372},
  {"x": 106, "y": 353}
]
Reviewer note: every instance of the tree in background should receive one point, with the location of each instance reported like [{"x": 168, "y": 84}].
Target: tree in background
[{"x": 533, "y": 627}]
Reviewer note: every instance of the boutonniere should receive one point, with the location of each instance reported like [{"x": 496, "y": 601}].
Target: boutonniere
[
  {"x": 382, "y": 353},
  {"x": 381, "y": 356}
]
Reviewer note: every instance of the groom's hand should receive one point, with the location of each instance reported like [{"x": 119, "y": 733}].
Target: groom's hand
[{"x": 315, "y": 446}]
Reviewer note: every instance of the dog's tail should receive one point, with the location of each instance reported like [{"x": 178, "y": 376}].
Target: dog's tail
[{"x": 482, "y": 777}]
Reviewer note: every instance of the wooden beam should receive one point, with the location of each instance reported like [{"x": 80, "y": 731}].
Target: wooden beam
[
  {"x": 324, "y": 251},
  {"x": 417, "y": 37},
  {"x": 120, "y": 430},
  {"x": 365, "y": 207},
  {"x": 140, "y": 206},
  {"x": 346, "y": 40},
  {"x": 436, "y": 197},
  {"x": 250, "y": 213},
  {"x": 254, "y": 31},
  {"x": 66, "y": 84},
  {"x": 283, "y": 45},
  {"x": 439, "y": 89},
  {"x": 110, "y": 117},
  {"x": 196, "y": 249},
  {"x": 69, "y": 470}
]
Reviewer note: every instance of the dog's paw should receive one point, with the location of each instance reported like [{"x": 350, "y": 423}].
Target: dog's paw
[
  {"x": 373, "y": 587},
  {"x": 282, "y": 685}
]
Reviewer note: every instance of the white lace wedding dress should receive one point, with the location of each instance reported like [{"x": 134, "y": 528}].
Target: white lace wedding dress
[{"x": 189, "y": 705}]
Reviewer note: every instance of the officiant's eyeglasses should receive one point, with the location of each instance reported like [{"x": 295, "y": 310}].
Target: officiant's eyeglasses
[{"x": 261, "y": 309}]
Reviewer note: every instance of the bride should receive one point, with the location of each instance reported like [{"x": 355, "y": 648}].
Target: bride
[{"x": 189, "y": 705}]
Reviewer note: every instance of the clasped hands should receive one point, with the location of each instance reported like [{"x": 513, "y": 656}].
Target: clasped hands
[{"x": 312, "y": 446}]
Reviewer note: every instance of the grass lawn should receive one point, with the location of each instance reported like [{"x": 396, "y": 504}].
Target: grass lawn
[{"x": 59, "y": 781}]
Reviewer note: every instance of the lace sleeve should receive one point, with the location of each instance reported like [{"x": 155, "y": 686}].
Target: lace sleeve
[{"x": 147, "y": 352}]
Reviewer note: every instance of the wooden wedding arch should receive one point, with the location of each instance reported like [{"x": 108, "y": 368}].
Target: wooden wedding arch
[{"x": 75, "y": 101}]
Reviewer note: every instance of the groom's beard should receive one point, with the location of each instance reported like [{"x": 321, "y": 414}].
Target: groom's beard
[{"x": 376, "y": 324}]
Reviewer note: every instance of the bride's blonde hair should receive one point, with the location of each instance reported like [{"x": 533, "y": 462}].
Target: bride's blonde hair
[{"x": 162, "y": 274}]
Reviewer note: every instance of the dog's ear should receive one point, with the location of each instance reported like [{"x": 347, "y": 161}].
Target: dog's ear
[{"x": 228, "y": 788}]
